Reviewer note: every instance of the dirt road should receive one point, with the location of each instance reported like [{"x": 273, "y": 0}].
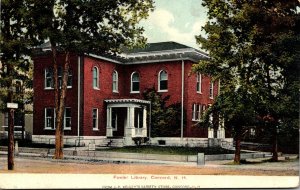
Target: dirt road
[{"x": 31, "y": 165}]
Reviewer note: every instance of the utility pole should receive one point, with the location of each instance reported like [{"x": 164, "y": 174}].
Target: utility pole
[{"x": 11, "y": 107}]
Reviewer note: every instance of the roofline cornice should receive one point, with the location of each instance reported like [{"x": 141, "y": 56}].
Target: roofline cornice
[
  {"x": 103, "y": 58},
  {"x": 165, "y": 52}
]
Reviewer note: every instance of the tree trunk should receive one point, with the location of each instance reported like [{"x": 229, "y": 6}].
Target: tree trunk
[
  {"x": 10, "y": 158},
  {"x": 237, "y": 155},
  {"x": 275, "y": 145},
  {"x": 60, "y": 110}
]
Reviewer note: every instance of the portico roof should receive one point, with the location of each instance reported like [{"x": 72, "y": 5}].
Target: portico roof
[{"x": 127, "y": 101}]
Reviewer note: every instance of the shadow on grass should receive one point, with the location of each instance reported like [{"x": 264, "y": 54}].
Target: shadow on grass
[{"x": 259, "y": 161}]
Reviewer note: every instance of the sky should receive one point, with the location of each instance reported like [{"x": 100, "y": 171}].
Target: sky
[{"x": 175, "y": 20}]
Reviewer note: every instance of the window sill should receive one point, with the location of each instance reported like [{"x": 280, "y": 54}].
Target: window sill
[
  {"x": 199, "y": 92},
  {"x": 67, "y": 129},
  {"x": 68, "y": 87},
  {"x": 196, "y": 120},
  {"x": 162, "y": 91},
  {"x": 95, "y": 129},
  {"x": 135, "y": 92},
  {"x": 117, "y": 92},
  {"x": 49, "y": 129},
  {"x": 96, "y": 88}
]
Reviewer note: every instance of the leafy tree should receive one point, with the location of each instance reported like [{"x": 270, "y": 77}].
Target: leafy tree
[
  {"x": 92, "y": 26},
  {"x": 165, "y": 120},
  {"x": 16, "y": 39},
  {"x": 252, "y": 45}
]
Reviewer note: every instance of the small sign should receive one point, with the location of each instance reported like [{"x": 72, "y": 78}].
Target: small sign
[{"x": 12, "y": 105}]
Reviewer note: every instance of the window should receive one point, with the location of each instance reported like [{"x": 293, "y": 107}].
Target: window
[
  {"x": 67, "y": 118},
  {"x": 49, "y": 78},
  {"x": 6, "y": 119},
  {"x": 95, "y": 119},
  {"x": 199, "y": 83},
  {"x": 163, "y": 81},
  {"x": 69, "y": 82},
  {"x": 95, "y": 78},
  {"x": 138, "y": 118},
  {"x": 49, "y": 118},
  {"x": 135, "y": 82},
  {"x": 115, "y": 82},
  {"x": 211, "y": 90},
  {"x": 197, "y": 112}
]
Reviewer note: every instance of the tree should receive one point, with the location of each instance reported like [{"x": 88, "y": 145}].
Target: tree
[
  {"x": 97, "y": 26},
  {"x": 250, "y": 43},
  {"x": 165, "y": 120},
  {"x": 15, "y": 41}
]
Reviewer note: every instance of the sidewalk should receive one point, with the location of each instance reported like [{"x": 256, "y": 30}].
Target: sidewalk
[{"x": 256, "y": 163}]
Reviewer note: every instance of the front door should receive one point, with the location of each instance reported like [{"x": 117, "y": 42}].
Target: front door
[{"x": 118, "y": 121}]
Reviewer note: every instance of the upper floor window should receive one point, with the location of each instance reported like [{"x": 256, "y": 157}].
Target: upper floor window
[
  {"x": 115, "y": 82},
  {"x": 163, "y": 81},
  {"x": 199, "y": 83},
  {"x": 49, "y": 78},
  {"x": 95, "y": 78},
  {"x": 135, "y": 82},
  {"x": 211, "y": 89}
]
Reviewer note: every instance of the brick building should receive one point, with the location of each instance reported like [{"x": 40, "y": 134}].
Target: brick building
[{"x": 104, "y": 98}]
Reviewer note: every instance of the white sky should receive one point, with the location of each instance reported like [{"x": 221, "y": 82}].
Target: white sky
[{"x": 175, "y": 20}]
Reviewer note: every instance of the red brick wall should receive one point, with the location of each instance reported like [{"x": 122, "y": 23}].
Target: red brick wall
[
  {"x": 45, "y": 98},
  {"x": 95, "y": 98},
  {"x": 193, "y": 97}
]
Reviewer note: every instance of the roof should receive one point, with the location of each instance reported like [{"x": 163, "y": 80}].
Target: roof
[
  {"x": 161, "y": 46},
  {"x": 151, "y": 53}
]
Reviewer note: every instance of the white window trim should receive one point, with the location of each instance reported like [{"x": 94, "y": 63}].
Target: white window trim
[
  {"x": 116, "y": 82},
  {"x": 211, "y": 87},
  {"x": 97, "y": 119},
  {"x": 159, "y": 90},
  {"x": 131, "y": 86},
  {"x": 64, "y": 124},
  {"x": 65, "y": 118},
  {"x": 199, "y": 82},
  {"x": 45, "y": 80},
  {"x": 45, "y": 119},
  {"x": 194, "y": 112},
  {"x": 97, "y": 87}
]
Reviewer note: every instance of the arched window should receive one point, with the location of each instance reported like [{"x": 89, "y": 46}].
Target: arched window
[
  {"x": 115, "y": 82},
  {"x": 95, "y": 78},
  {"x": 163, "y": 81},
  {"x": 135, "y": 82}
]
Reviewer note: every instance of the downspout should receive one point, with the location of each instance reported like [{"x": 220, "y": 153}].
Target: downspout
[
  {"x": 78, "y": 99},
  {"x": 150, "y": 122},
  {"x": 182, "y": 97}
]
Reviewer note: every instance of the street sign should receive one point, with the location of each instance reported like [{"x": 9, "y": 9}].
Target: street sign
[{"x": 12, "y": 105}]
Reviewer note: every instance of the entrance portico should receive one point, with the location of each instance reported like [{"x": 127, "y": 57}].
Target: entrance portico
[{"x": 126, "y": 118}]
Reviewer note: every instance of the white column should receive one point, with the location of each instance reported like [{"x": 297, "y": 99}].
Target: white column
[
  {"x": 109, "y": 129},
  {"x": 130, "y": 130},
  {"x": 144, "y": 122},
  {"x": 210, "y": 132}
]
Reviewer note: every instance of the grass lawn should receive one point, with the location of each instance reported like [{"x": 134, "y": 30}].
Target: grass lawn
[{"x": 169, "y": 150}]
